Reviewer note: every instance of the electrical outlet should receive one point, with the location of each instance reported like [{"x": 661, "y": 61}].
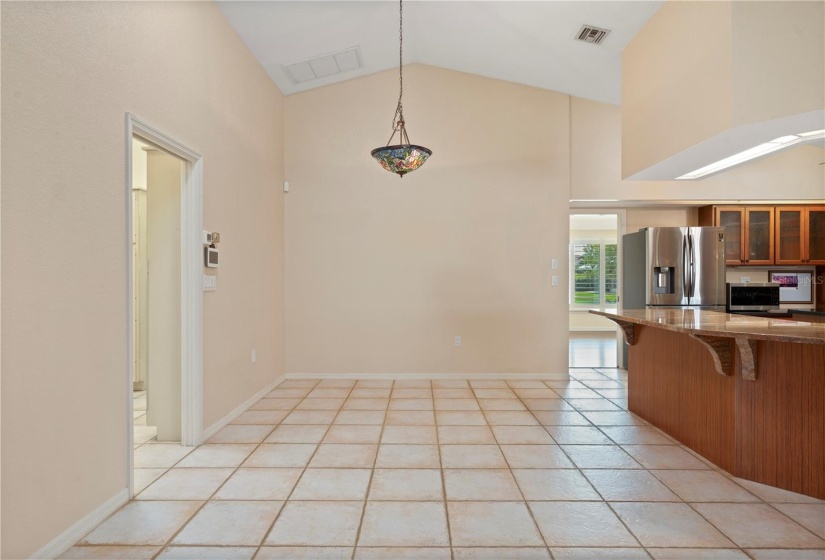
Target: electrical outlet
[
  {"x": 210, "y": 282},
  {"x": 254, "y": 357},
  {"x": 458, "y": 341},
  {"x": 744, "y": 279},
  {"x": 554, "y": 280}
]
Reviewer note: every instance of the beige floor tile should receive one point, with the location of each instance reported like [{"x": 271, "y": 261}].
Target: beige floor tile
[
  {"x": 450, "y": 384},
  {"x": 343, "y": 455},
  {"x": 483, "y": 524},
  {"x": 145, "y": 477},
  {"x": 297, "y": 433},
  {"x": 510, "y": 418},
  {"x": 400, "y": 393},
  {"x": 404, "y": 524},
  {"x": 528, "y": 435},
  {"x": 629, "y": 485},
  {"x": 635, "y": 435},
  {"x": 411, "y": 404},
  {"x": 460, "y": 418},
  {"x": 775, "y": 495},
  {"x": 281, "y": 455},
  {"x": 158, "y": 455},
  {"x": 406, "y": 484},
  {"x": 696, "y": 553},
  {"x": 560, "y": 418},
  {"x": 407, "y": 457},
  {"x": 547, "y": 404},
  {"x": 409, "y": 434},
  {"x": 600, "y": 554},
  {"x": 366, "y": 404},
  {"x": 208, "y": 553},
  {"x": 259, "y": 484},
  {"x": 703, "y": 486},
  {"x": 488, "y": 384},
  {"x": 456, "y": 404},
  {"x": 110, "y": 553},
  {"x": 554, "y": 484},
  {"x": 271, "y": 417},
  {"x": 353, "y": 434},
  {"x": 613, "y": 418},
  {"x": 465, "y": 434},
  {"x": 453, "y": 393},
  {"x": 275, "y": 404},
  {"x": 591, "y": 404},
  {"x": 472, "y": 457},
  {"x": 412, "y": 384},
  {"x": 575, "y": 393},
  {"x": 321, "y": 403},
  {"x": 758, "y": 526},
  {"x": 336, "y": 384},
  {"x": 230, "y": 523},
  {"x": 481, "y": 485},
  {"x": 589, "y": 524},
  {"x": 613, "y": 393},
  {"x": 578, "y": 435},
  {"x": 525, "y": 384},
  {"x": 501, "y": 404},
  {"x": 217, "y": 455},
  {"x": 328, "y": 393},
  {"x": 360, "y": 417},
  {"x": 293, "y": 393},
  {"x": 664, "y": 457},
  {"x": 536, "y": 457},
  {"x": 359, "y": 393},
  {"x": 602, "y": 384},
  {"x": 600, "y": 457},
  {"x": 333, "y": 485},
  {"x": 410, "y": 418},
  {"x": 398, "y": 553},
  {"x": 185, "y": 484},
  {"x": 501, "y": 553},
  {"x": 239, "y": 433},
  {"x": 143, "y": 523},
  {"x": 778, "y": 554},
  {"x": 143, "y": 434},
  {"x": 495, "y": 393},
  {"x": 316, "y": 524},
  {"x": 298, "y": 383},
  {"x": 670, "y": 525},
  {"x": 305, "y": 553},
  {"x": 561, "y": 384},
  {"x": 536, "y": 393},
  {"x": 810, "y": 516},
  {"x": 322, "y": 417},
  {"x": 374, "y": 384}
]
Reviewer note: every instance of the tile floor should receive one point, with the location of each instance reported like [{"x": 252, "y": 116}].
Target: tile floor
[
  {"x": 143, "y": 433},
  {"x": 592, "y": 349},
  {"x": 488, "y": 469}
]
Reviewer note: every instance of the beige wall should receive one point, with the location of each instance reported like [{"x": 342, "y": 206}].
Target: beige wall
[
  {"x": 71, "y": 70},
  {"x": 596, "y": 153},
  {"x": 384, "y": 272}
]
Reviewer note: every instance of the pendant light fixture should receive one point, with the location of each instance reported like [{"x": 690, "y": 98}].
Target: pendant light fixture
[{"x": 403, "y": 157}]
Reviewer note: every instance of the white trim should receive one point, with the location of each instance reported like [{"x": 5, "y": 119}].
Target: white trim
[
  {"x": 191, "y": 286},
  {"x": 394, "y": 376},
  {"x": 240, "y": 409},
  {"x": 70, "y": 536}
]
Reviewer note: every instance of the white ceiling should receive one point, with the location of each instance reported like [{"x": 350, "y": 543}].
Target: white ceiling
[{"x": 528, "y": 42}]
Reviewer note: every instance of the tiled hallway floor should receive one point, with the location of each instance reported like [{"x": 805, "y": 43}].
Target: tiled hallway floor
[{"x": 449, "y": 469}]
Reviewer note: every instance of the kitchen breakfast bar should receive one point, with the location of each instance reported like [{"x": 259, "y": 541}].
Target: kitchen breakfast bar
[{"x": 747, "y": 393}]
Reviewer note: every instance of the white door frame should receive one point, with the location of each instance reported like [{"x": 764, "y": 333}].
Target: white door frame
[{"x": 191, "y": 286}]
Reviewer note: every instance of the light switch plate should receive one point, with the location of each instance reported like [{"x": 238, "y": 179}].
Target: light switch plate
[
  {"x": 210, "y": 282},
  {"x": 554, "y": 263},
  {"x": 554, "y": 280}
]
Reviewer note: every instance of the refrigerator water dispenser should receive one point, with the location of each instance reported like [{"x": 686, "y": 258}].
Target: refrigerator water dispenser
[{"x": 663, "y": 279}]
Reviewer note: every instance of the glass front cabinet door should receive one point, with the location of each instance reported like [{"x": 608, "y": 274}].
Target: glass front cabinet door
[
  {"x": 790, "y": 235},
  {"x": 815, "y": 235},
  {"x": 732, "y": 218},
  {"x": 758, "y": 235}
]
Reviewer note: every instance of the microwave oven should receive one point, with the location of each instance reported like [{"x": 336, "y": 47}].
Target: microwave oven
[{"x": 753, "y": 296}]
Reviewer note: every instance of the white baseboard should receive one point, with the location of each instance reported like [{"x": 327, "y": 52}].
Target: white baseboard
[
  {"x": 70, "y": 536},
  {"x": 553, "y": 376},
  {"x": 240, "y": 409}
]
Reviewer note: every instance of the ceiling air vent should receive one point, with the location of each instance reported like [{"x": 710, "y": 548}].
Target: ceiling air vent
[
  {"x": 590, "y": 34},
  {"x": 324, "y": 65}
]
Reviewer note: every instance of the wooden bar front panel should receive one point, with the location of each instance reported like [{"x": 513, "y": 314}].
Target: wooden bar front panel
[{"x": 673, "y": 385}]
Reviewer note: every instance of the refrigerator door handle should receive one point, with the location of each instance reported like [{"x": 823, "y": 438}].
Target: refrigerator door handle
[
  {"x": 692, "y": 265},
  {"x": 685, "y": 264}
]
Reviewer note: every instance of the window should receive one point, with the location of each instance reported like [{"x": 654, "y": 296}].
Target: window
[{"x": 593, "y": 274}]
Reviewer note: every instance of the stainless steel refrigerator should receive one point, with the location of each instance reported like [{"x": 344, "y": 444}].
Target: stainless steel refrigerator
[{"x": 674, "y": 266}]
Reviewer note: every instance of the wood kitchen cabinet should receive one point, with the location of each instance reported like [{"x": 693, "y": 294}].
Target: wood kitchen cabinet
[
  {"x": 749, "y": 232},
  {"x": 800, "y": 235}
]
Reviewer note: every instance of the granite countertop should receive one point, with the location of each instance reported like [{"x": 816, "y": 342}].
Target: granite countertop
[{"x": 720, "y": 324}]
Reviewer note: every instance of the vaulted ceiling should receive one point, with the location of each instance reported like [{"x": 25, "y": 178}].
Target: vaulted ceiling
[{"x": 527, "y": 42}]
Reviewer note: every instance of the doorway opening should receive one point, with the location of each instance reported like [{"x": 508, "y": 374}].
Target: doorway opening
[
  {"x": 594, "y": 284},
  {"x": 165, "y": 260}
]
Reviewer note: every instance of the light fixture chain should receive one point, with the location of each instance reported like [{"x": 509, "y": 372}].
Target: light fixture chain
[{"x": 398, "y": 119}]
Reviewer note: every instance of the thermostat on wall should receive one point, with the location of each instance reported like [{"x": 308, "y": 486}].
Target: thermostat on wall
[{"x": 210, "y": 257}]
